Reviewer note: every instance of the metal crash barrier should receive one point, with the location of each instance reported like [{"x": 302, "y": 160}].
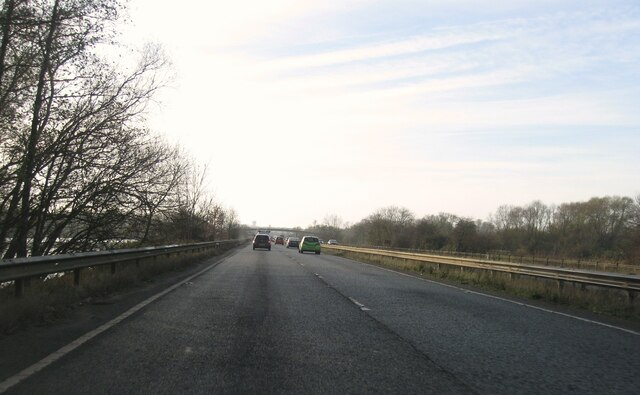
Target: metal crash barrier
[{"x": 21, "y": 270}]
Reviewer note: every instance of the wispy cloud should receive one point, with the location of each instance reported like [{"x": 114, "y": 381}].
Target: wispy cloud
[
  {"x": 504, "y": 43},
  {"x": 563, "y": 26},
  {"x": 506, "y": 72},
  {"x": 382, "y": 50}
]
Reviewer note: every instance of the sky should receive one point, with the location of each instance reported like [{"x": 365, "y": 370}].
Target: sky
[{"x": 307, "y": 109}]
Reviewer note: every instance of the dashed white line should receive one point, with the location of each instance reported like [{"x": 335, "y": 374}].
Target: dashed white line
[{"x": 362, "y": 307}]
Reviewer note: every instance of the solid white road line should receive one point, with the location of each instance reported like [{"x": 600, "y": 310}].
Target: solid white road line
[{"x": 51, "y": 358}]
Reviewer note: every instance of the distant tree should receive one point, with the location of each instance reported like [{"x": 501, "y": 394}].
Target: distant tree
[
  {"x": 486, "y": 237},
  {"x": 631, "y": 243},
  {"x": 536, "y": 218},
  {"x": 434, "y": 232},
  {"x": 333, "y": 221},
  {"x": 607, "y": 227},
  {"x": 391, "y": 226},
  {"x": 232, "y": 224},
  {"x": 464, "y": 236}
]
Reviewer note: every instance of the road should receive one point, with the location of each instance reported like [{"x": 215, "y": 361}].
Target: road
[{"x": 283, "y": 322}]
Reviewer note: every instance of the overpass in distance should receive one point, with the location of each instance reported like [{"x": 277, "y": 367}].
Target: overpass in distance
[{"x": 278, "y": 230}]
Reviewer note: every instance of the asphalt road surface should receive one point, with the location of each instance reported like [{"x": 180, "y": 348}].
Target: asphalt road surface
[{"x": 282, "y": 322}]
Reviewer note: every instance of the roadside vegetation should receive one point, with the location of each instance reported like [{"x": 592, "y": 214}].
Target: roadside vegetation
[
  {"x": 79, "y": 169},
  {"x": 603, "y": 230}
]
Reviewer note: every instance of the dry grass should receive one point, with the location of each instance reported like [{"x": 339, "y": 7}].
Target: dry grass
[
  {"x": 46, "y": 301},
  {"x": 595, "y": 299}
]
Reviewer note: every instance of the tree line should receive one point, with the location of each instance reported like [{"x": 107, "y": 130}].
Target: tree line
[
  {"x": 600, "y": 228},
  {"x": 79, "y": 170}
]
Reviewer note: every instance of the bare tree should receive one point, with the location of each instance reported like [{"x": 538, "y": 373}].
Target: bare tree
[
  {"x": 78, "y": 155},
  {"x": 157, "y": 191},
  {"x": 232, "y": 224},
  {"x": 333, "y": 221}
]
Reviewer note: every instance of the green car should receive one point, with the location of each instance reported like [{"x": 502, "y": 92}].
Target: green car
[{"x": 309, "y": 243}]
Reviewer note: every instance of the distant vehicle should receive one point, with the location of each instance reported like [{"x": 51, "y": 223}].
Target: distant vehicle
[
  {"x": 333, "y": 242},
  {"x": 321, "y": 241},
  {"x": 309, "y": 243},
  {"x": 293, "y": 242},
  {"x": 280, "y": 240},
  {"x": 261, "y": 241}
]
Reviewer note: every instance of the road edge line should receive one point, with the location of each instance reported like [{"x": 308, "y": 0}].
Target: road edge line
[{"x": 56, "y": 355}]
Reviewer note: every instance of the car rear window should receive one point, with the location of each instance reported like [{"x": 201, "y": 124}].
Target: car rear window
[
  {"x": 262, "y": 238},
  {"x": 311, "y": 239}
]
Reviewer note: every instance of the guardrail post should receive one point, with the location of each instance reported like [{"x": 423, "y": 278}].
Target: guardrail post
[
  {"x": 560, "y": 284},
  {"x": 76, "y": 277}
]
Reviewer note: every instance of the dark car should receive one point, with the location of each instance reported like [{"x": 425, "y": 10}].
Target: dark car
[
  {"x": 293, "y": 242},
  {"x": 262, "y": 241}
]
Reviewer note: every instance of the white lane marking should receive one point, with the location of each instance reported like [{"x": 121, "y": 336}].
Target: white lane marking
[
  {"x": 356, "y": 302},
  {"x": 51, "y": 358},
  {"x": 362, "y": 307},
  {"x": 509, "y": 301}
]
